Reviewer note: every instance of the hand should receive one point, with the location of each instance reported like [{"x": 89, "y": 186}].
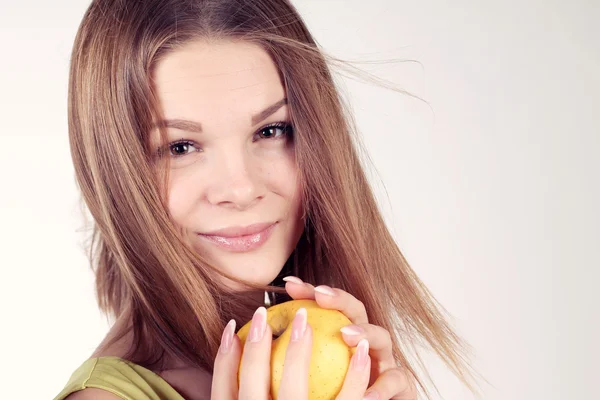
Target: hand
[
  {"x": 255, "y": 379},
  {"x": 387, "y": 380}
]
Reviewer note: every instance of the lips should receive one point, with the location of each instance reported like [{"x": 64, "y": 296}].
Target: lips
[
  {"x": 241, "y": 243},
  {"x": 239, "y": 231}
]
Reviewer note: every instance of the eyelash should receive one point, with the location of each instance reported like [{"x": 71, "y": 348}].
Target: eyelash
[{"x": 285, "y": 126}]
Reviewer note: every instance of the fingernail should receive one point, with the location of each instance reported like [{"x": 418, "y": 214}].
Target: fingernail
[
  {"x": 299, "y": 325},
  {"x": 362, "y": 355},
  {"x": 227, "y": 338},
  {"x": 293, "y": 279},
  {"x": 258, "y": 325},
  {"x": 352, "y": 330},
  {"x": 372, "y": 395},
  {"x": 326, "y": 290}
]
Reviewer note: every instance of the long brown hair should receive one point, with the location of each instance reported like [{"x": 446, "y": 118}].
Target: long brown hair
[{"x": 145, "y": 272}]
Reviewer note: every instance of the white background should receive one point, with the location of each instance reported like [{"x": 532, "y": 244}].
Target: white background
[{"x": 493, "y": 191}]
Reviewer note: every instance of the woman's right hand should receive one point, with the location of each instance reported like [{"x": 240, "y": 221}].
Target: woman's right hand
[{"x": 255, "y": 375}]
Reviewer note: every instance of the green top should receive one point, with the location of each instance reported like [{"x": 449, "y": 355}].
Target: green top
[{"x": 120, "y": 377}]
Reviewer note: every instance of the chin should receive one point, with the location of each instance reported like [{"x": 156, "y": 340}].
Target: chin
[
  {"x": 238, "y": 287},
  {"x": 259, "y": 267},
  {"x": 250, "y": 273}
]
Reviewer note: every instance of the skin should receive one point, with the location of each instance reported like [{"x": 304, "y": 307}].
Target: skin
[
  {"x": 238, "y": 180},
  {"x": 234, "y": 174}
]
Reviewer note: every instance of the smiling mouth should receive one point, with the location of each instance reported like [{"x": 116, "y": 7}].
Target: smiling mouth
[{"x": 241, "y": 243}]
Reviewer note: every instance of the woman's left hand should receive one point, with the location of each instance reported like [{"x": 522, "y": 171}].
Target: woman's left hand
[{"x": 388, "y": 381}]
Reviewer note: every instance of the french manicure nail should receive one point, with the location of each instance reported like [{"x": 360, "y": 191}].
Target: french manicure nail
[
  {"x": 227, "y": 338},
  {"x": 352, "y": 330},
  {"x": 293, "y": 279},
  {"x": 326, "y": 290},
  {"x": 299, "y": 325},
  {"x": 258, "y": 325},
  {"x": 362, "y": 355}
]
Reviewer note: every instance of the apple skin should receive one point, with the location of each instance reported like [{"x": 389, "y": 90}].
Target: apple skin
[{"x": 330, "y": 354}]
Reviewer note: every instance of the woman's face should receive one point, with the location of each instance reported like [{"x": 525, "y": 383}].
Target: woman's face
[{"x": 229, "y": 169}]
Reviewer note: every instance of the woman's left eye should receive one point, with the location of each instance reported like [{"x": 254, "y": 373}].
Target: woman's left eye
[{"x": 270, "y": 131}]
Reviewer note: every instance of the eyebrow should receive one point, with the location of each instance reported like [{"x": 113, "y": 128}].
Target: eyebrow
[{"x": 196, "y": 127}]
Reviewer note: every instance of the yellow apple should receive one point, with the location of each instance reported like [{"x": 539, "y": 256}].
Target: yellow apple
[{"x": 330, "y": 354}]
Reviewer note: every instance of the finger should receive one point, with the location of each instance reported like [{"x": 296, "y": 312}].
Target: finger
[
  {"x": 393, "y": 384},
  {"x": 224, "y": 379},
  {"x": 294, "y": 380},
  {"x": 380, "y": 343},
  {"x": 337, "y": 299},
  {"x": 357, "y": 377},
  {"x": 255, "y": 374},
  {"x": 299, "y": 290}
]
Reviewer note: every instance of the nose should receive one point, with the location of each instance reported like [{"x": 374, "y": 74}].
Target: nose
[{"x": 235, "y": 182}]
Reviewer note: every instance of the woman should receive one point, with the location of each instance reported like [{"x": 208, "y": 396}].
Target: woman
[{"x": 217, "y": 160}]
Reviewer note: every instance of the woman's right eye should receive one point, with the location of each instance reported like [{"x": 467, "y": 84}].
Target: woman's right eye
[{"x": 181, "y": 148}]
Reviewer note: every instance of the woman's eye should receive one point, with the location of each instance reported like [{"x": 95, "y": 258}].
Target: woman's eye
[
  {"x": 278, "y": 130},
  {"x": 271, "y": 131},
  {"x": 181, "y": 148}
]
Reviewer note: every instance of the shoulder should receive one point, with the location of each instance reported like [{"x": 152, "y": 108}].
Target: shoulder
[
  {"x": 115, "y": 378},
  {"x": 192, "y": 383},
  {"x": 93, "y": 393}
]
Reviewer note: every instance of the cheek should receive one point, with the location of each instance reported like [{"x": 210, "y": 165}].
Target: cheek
[
  {"x": 180, "y": 199},
  {"x": 281, "y": 176},
  {"x": 288, "y": 186}
]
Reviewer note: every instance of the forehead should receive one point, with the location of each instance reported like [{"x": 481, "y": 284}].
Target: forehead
[{"x": 210, "y": 75}]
